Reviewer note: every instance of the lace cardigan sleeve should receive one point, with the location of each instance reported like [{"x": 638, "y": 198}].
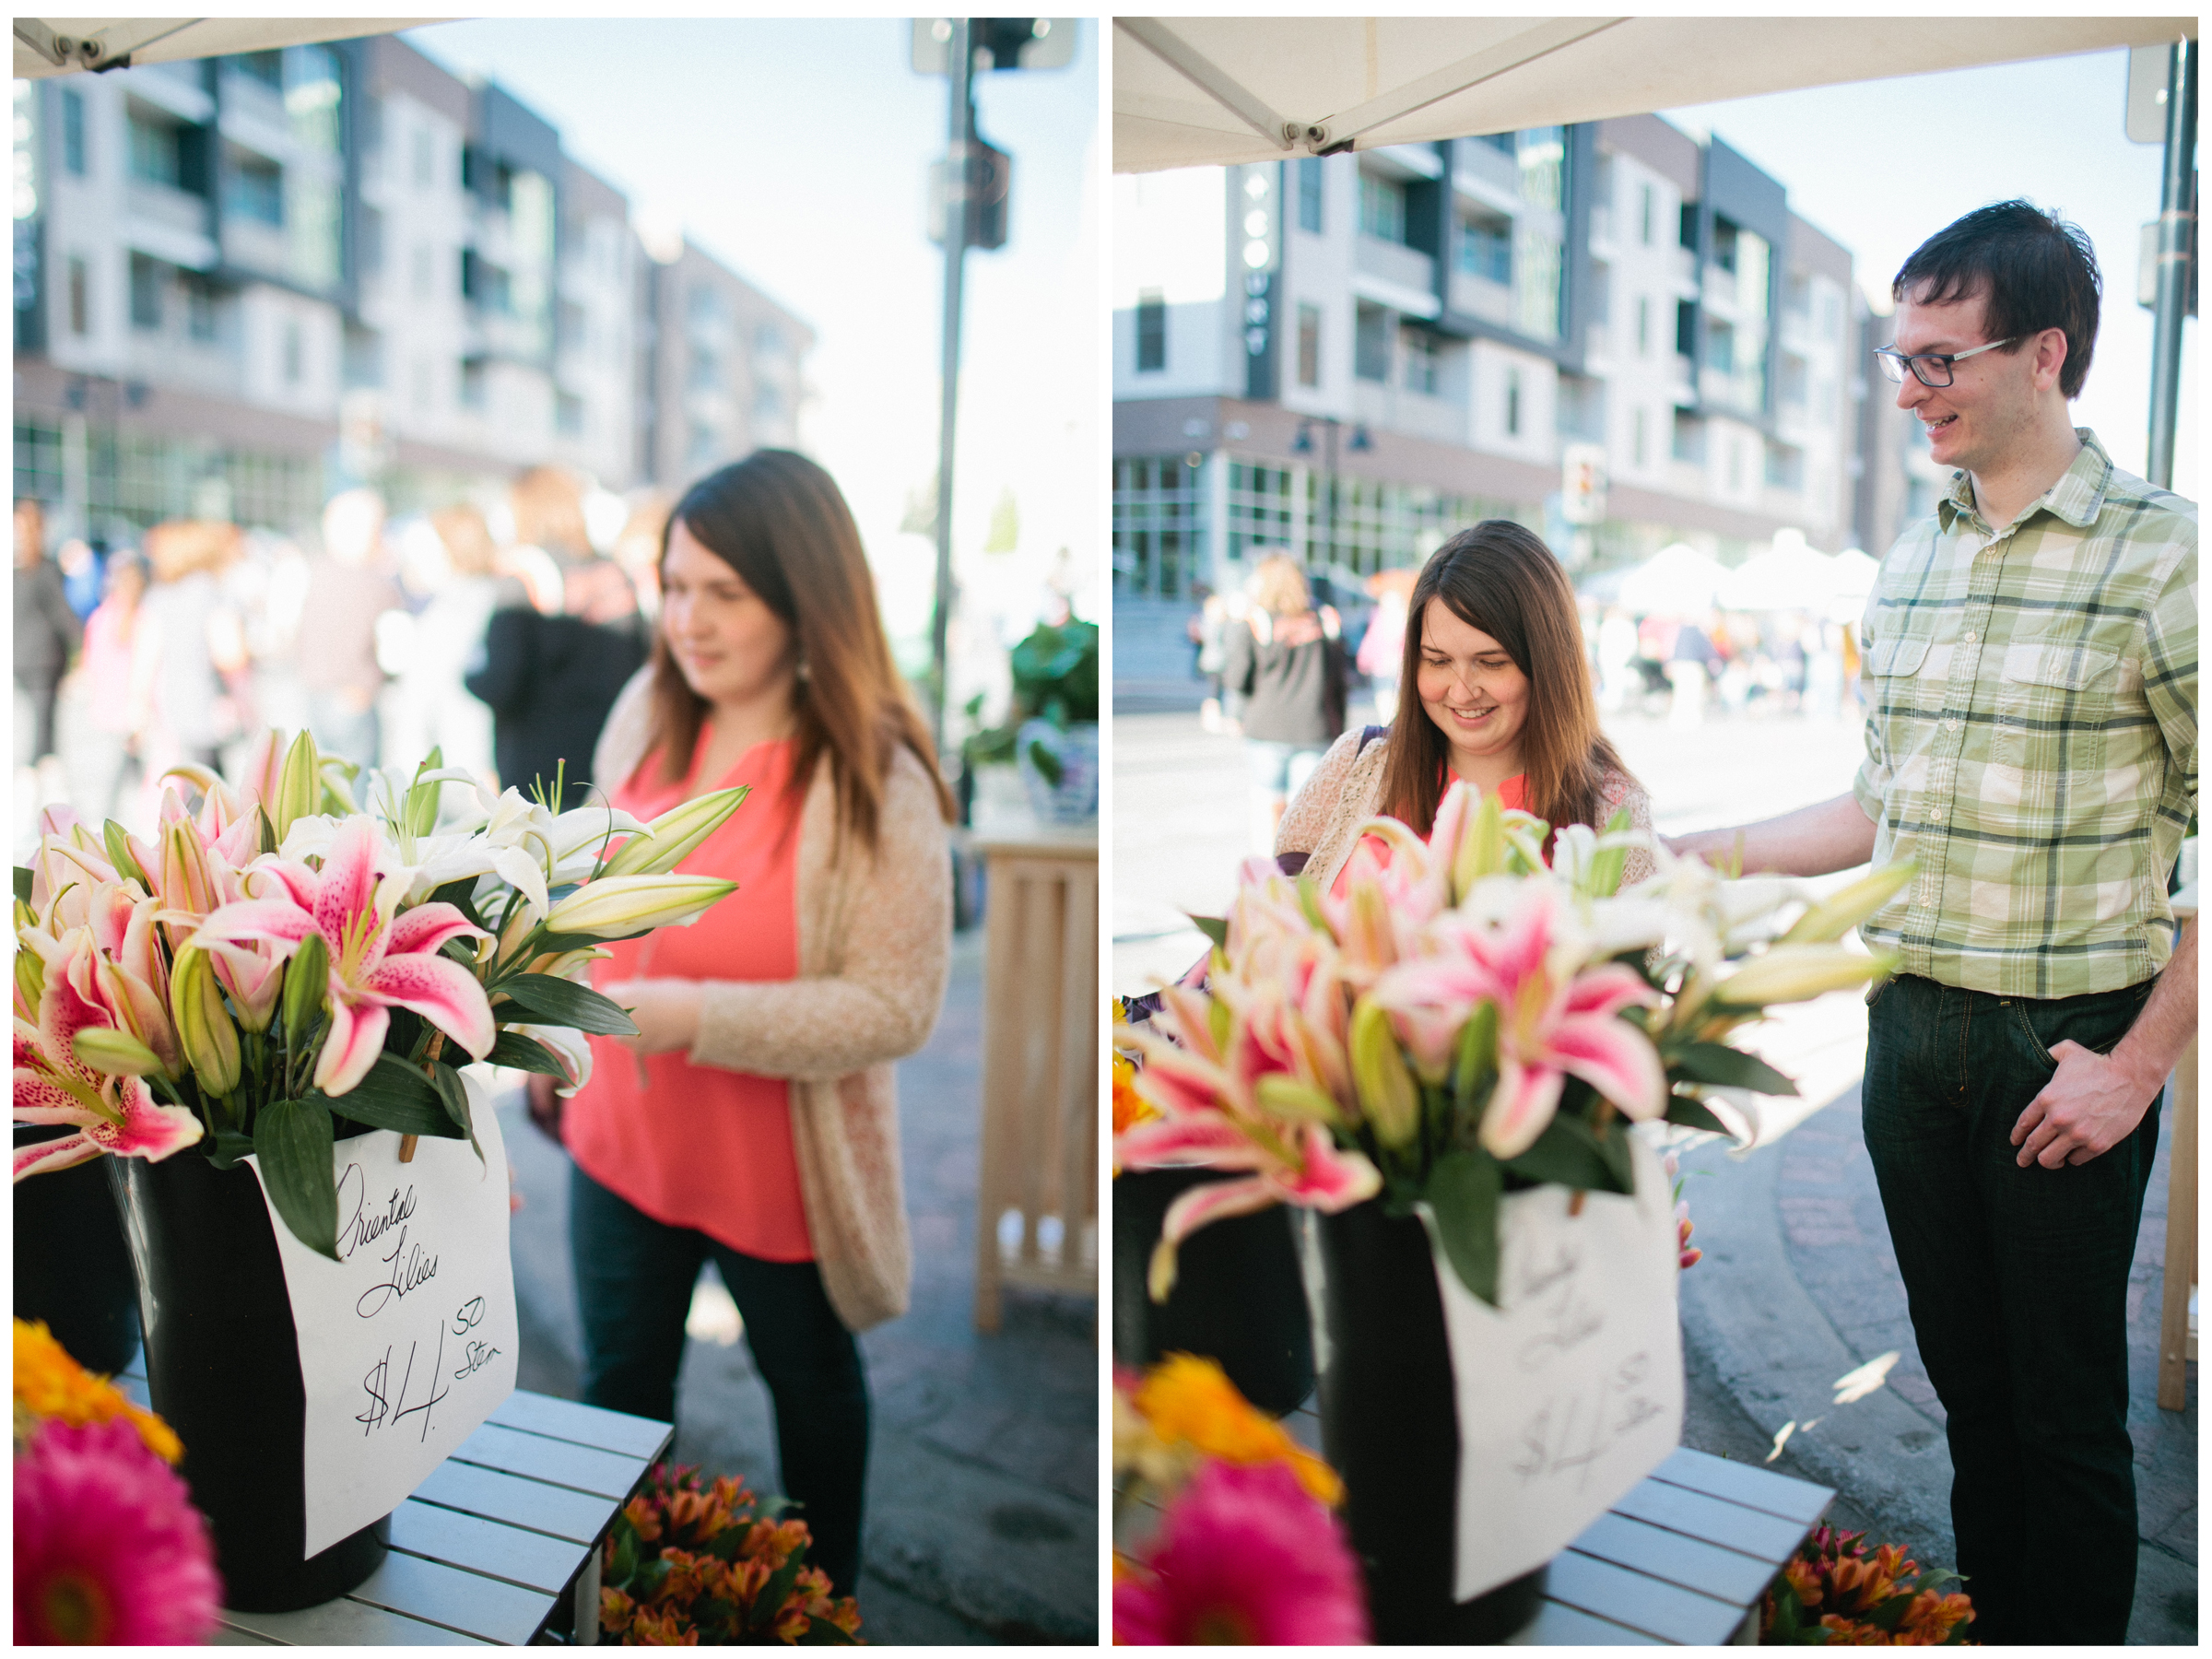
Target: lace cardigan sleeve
[
  {"x": 1307, "y": 817},
  {"x": 1622, "y": 791}
]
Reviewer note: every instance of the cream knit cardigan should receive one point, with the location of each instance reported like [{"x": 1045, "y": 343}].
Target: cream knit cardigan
[
  {"x": 1345, "y": 790},
  {"x": 875, "y": 941}
]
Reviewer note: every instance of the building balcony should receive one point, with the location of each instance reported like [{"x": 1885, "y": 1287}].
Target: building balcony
[
  {"x": 1396, "y": 263},
  {"x": 1719, "y": 290},
  {"x": 1681, "y": 380},
  {"x": 1479, "y": 297},
  {"x": 178, "y": 212},
  {"x": 252, "y": 245},
  {"x": 1597, "y": 345},
  {"x": 1796, "y": 334},
  {"x": 1601, "y": 228},
  {"x": 492, "y": 334},
  {"x": 1682, "y": 265}
]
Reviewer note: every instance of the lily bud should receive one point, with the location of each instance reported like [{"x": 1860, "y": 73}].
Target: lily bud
[
  {"x": 203, "y": 1027},
  {"x": 299, "y": 787},
  {"x": 254, "y": 979},
  {"x": 1790, "y": 974},
  {"x": 1477, "y": 1051},
  {"x": 1840, "y": 913},
  {"x": 613, "y": 906},
  {"x": 674, "y": 835},
  {"x": 306, "y": 982},
  {"x": 31, "y": 979},
  {"x": 118, "y": 842},
  {"x": 263, "y": 769},
  {"x": 1387, "y": 1095},
  {"x": 1481, "y": 850},
  {"x": 186, "y": 884},
  {"x": 104, "y": 1049}
]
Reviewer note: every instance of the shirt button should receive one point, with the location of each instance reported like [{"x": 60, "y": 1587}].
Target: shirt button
[
  {"x": 1969, "y": 636},
  {"x": 1950, "y": 725}
]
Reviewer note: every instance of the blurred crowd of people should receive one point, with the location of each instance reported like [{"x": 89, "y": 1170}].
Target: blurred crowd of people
[
  {"x": 498, "y": 632},
  {"x": 1776, "y": 662}
]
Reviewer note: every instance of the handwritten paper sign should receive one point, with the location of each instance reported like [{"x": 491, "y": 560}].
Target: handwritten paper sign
[
  {"x": 1570, "y": 1391},
  {"x": 409, "y": 1341}
]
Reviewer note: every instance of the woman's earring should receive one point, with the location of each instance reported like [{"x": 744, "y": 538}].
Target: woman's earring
[{"x": 805, "y": 672}]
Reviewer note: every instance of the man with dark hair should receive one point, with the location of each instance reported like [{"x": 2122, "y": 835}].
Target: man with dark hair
[{"x": 2031, "y": 683}]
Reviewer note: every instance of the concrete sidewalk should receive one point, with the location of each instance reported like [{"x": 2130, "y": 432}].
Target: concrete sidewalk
[{"x": 983, "y": 1502}]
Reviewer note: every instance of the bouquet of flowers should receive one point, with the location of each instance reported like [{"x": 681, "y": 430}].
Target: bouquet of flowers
[
  {"x": 277, "y": 961},
  {"x": 1468, "y": 1018},
  {"x": 1246, "y": 1549},
  {"x": 108, "y": 1549},
  {"x": 1832, "y": 1591},
  {"x": 690, "y": 1562}
]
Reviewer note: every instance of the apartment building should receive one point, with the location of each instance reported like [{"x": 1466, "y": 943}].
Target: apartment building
[
  {"x": 245, "y": 282},
  {"x": 1354, "y": 355},
  {"x": 721, "y": 369}
]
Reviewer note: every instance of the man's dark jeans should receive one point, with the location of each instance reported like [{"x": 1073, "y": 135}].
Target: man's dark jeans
[
  {"x": 634, "y": 1277},
  {"x": 2018, "y": 1280}
]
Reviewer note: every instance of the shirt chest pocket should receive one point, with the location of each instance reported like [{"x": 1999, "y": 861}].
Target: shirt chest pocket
[{"x": 2053, "y": 702}]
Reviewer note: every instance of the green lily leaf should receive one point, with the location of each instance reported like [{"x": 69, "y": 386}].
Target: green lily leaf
[
  {"x": 549, "y": 1001},
  {"x": 523, "y": 1053},
  {"x": 1464, "y": 1191},
  {"x": 1681, "y": 1109},
  {"x": 1566, "y": 1154},
  {"x": 393, "y": 1095},
  {"x": 293, "y": 1140},
  {"x": 454, "y": 1095},
  {"x": 1726, "y": 1068}
]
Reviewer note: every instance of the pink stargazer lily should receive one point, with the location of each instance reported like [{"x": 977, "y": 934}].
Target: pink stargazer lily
[
  {"x": 376, "y": 962},
  {"x": 1553, "y": 1021},
  {"x": 52, "y": 1085}
]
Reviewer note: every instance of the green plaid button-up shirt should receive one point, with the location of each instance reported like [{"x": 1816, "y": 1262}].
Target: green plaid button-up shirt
[{"x": 2031, "y": 734}]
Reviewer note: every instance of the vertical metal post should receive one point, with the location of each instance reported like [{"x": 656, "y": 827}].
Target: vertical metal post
[
  {"x": 959, "y": 62},
  {"x": 2174, "y": 208}
]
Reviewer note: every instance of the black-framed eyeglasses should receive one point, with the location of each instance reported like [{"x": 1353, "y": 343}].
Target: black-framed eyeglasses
[{"x": 1929, "y": 368}]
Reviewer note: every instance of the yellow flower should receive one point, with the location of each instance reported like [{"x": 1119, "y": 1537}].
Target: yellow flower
[
  {"x": 51, "y": 1385},
  {"x": 1188, "y": 1399},
  {"x": 1130, "y": 1108}
]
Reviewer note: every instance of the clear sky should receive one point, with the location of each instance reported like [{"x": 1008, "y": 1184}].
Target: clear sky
[
  {"x": 796, "y": 152},
  {"x": 1881, "y": 165}
]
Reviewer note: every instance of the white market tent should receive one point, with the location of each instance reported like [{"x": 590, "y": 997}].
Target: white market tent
[
  {"x": 64, "y": 45},
  {"x": 1677, "y": 581},
  {"x": 1209, "y": 91},
  {"x": 1789, "y": 575}
]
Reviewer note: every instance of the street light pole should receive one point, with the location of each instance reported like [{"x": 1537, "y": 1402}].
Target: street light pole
[
  {"x": 960, "y": 63},
  {"x": 2175, "y": 208}
]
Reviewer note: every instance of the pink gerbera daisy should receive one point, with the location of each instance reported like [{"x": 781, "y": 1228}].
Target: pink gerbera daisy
[
  {"x": 1243, "y": 1556},
  {"x": 108, "y": 1549}
]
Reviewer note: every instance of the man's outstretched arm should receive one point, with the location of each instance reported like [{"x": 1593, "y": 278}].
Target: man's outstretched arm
[
  {"x": 1814, "y": 841},
  {"x": 2094, "y": 1102}
]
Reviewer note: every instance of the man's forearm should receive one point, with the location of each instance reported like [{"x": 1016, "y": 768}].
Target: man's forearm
[
  {"x": 2169, "y": 1019},
  {"x": 1814, "y": 841}
]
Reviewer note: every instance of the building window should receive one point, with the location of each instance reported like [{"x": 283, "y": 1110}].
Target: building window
[
  {"x": 145, "y": 293},
  {"x": 1649, "y": 211},
  {"x": 567, "y": 414},
  {"x": 1308, "y": 194},
  {"x": 704, "y": 371},
  {"x": 1685, "y": 328},
  {"x": 1505, "y": 142},
  {"x": 474, "y": 391},
  {"x": 295, "y": 354},
  {"x": 705, "y": 446},
  {"x": 72, "y": 132},
  {"x": 768, "y": 402},
  {"x": 1485, "y": 247},
  {"x": 422, "y": 386},
  {"x": 1637, "y": 447},
  {"x": 1371, "y": 344},
  {"x": 372, "y": 242},
  {"x": 768, "y": 344},
  {"x": 1382, "y": 208},
  {"x": 423, "y": 161},
  {"x": 255, "y": 189},
  {"x": 267, "y": 67},
  {"x": 80, "y": 299},
  {"x": 154, "y": 158},
  {"x": 422, "y": 273},
  {"x": 1643, "y": 326},
  {"x": 1513, "y": 402},
  {"x": 1151, "y": 330},
  {"x": 1309, "y": 344},
  {"x": 1689, "y": 437},
  {"x": 199, "y": 305},
  {"x": 1420, "y": 349}
]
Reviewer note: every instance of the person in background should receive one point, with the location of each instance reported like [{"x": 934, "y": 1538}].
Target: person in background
[
  {"x": 348, "y": 588},
  {"x": 47, "y": 635},
  {"x": 1620, "y": 686},
  {"x": 114, "y": 703},
  {"x": 638, "y": 551},
  {"x": 84, "y": 574},
  {"x": 753, "y": 1117},
  {"x": 550, "y": 680},
  {"x": 1691, "y": 668},
  {"x": 1382, "y": 649},
  {"x": 1287, "y": 667},
  {"x": 447, "y": 640},
  {"x": 188, "y": 649}
]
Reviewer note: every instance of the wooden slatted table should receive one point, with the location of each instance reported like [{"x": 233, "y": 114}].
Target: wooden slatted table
[
  {"x": 1680, "y": 1561},
  {"x": 498, "y": 1547}
]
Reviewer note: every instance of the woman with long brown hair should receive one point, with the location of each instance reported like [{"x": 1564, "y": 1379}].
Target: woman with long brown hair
[
  {"x": 1502, "y": 697},
  {"x": 753, "y": 1117}
]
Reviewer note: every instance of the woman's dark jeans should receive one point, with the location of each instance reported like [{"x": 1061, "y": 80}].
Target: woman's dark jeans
[
  {"x": 2018, "y": 1286},
  {"x": 634, "y": 1277}
]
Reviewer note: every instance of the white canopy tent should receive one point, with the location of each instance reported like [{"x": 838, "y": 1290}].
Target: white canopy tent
[
  {"x": 1677, "y": 581},
  {"x": 1790, "y": 575},
  {"x": 67, "y": 45},
  {"x": 1208, "y": 91}
]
